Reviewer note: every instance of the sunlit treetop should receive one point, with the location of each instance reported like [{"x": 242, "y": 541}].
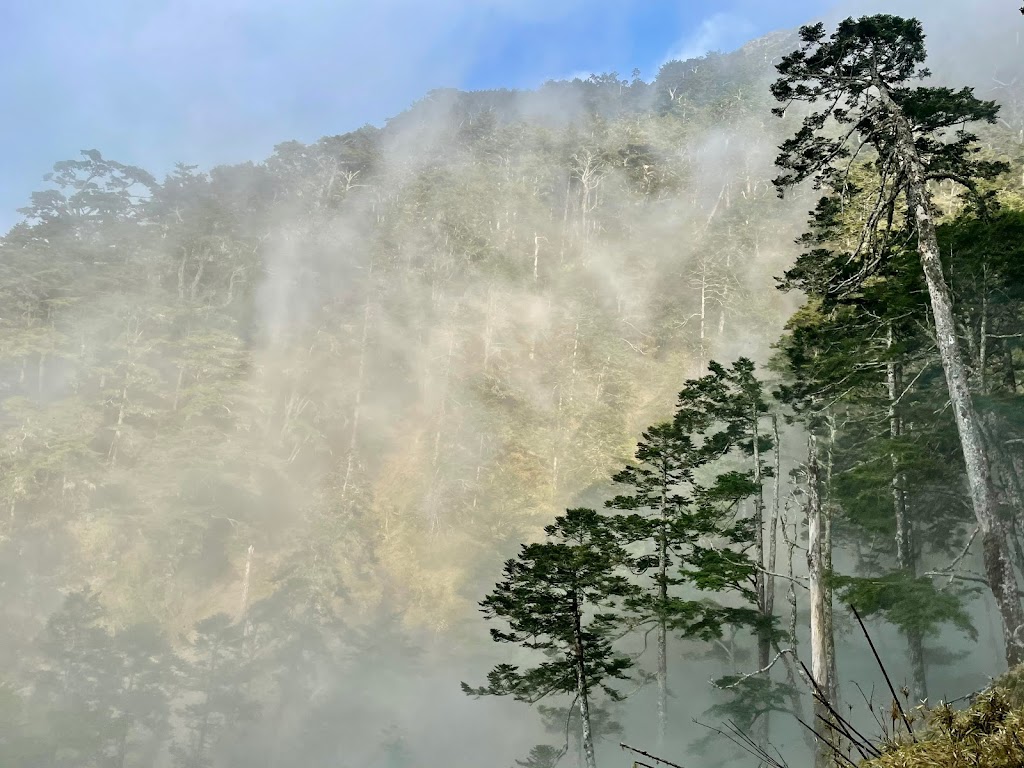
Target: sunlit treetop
[{"x": 862, "y": 74}]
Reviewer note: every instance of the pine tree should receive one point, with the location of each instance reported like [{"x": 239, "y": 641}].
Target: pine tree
[
  {"x": 726, "y": 408},
  {"x": 541, "y": 756},
  {"x": 77, "y": 674},
  {"x": 863, "y": 72},
  {"x": 217, "y": 673},
  {"x": 666, "y": 459},
  {"x": 556, "y": 599}
]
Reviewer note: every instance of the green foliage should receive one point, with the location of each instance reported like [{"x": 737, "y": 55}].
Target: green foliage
[
  {"x": 874, "y": 51},
  {"x": 219, "y": 673},
  {"x": 913, "y": 604},
  {"x": 555, "y": 599},
  {"x": 385, "y": 358},
  {"x": 863, "y": 344},
  {"x": 752, "y": 698},
  {"x": 541, "y": 756}
]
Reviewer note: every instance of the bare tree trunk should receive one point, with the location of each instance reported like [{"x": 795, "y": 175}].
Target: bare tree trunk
[
  {"x": 41, "y": 376},
  {"x": 764, "y": 642},
  {"x": 662, "y": 674},
  {"x": 582, "y": 689},
  {"x": 479, "y": 470},
  {"x": 243, "y": 607},
  {"x": 114, "y": 444},
  {"x": 536, "y": 256},
  {"x": 998, "y": 566},
  {"x": 821, "y": 666},
  {"x": 773, "y": 522},
  {"x": 828, "y": 511},
  {"x": 703, "y": 321},
  {"x": 488, "y": 329},
  {"x": 177, "y": 388},
  {"x": 435, "y": 462},
  {"x": 559, "y": 438},
  {"x": 796, "y": 703}
]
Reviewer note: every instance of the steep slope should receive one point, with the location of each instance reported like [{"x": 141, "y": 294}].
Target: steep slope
[{"x": 407, "y": 347}]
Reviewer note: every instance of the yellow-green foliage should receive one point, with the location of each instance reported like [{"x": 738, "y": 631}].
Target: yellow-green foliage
[{"x": 989, "y": 733}]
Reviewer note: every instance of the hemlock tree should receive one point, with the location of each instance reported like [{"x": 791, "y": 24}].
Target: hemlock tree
[
  {"x": 218, "y": 675},
  {"x": 566, "y": 722},
  {"x": 74, "y": 680},
  {"x": 556, "y": 598},
  {"x": 665, "y": 460},
  {"x": 862, "y": 73},
  {"x": 717, "y": 413},
  {"x": 140, "y": 701},
  {"x": 541, "y": 756},
  {"x": 869, "y": 355},
  {"x": 724, "y": 411},
  {"x": 733, "y": 398}
]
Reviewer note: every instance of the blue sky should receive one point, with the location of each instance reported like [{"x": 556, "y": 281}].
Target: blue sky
[{"x": 153, "y": 82}]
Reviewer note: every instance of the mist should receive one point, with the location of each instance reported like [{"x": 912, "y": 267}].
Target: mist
[{"x": 271, "y": 425}]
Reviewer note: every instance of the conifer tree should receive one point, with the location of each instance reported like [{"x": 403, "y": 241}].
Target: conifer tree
[
  {"x": 665, "y": 461},
  {"x": 77, "y": 672},
  {"x": 556, "y": 598},
  {"x": 867, "y": 355},
  {"x": 726, "y": 409},
  {"x": 218, "y": 673},
  {"x": 541, "y": 756},
  {"x": 863, "y": 74}
]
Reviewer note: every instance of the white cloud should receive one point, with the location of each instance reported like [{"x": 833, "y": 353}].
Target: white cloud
[{"x": 721, "y": 31}]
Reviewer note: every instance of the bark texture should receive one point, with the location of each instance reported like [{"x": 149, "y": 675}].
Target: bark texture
[
  {"x": 821, "y": 663},
  {"x": 998, "y": 565},
  {"x": 905, "y": 556}
]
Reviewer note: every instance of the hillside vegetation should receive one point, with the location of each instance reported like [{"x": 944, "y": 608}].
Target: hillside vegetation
[{"x": 268, "y": 431}]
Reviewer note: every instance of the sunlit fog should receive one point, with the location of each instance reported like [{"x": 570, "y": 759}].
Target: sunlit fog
[{"x": 509, "y": 384}]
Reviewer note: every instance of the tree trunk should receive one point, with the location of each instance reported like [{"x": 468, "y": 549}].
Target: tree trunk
[
  {"x": 243, "y": 607},
  {"x": 703, "y": 321},
  {"x": 199, "y": 755},
  {"x": 764, "y": 641},
  {"x": 122, "y": 407},
  {"x": 122, "y": 743},
  {"x": 828, "y": 509},
  {"x": 998, "y": 567},
  {"x": 820, "y": 664},
  {"x": 1008, "y": 482},
  {"x": 905, "y": 558},
  {"x": 773, "y": 522},
  {"x": 582, "y": 689},
  {"x": 663, "y": 602}
]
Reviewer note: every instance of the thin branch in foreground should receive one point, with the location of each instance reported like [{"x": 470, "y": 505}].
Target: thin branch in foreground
[
  {"x": 762, "y": 752},
  {"x": 744, "y": 742},
  {"x": 885, "y": 674},
  {"x": 657, "y": 759},
  {"x": 951, "y": 569},
  {"x": 749, "y": 675},
  {"x": 828, "y": 743},
  {"x": 861, "y": 741}
]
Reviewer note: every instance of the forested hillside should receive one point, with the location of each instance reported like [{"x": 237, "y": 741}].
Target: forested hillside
[{"x": 269, "y": 431}]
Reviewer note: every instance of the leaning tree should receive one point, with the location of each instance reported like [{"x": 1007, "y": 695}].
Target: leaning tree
[{"x": 860, "y": 81}]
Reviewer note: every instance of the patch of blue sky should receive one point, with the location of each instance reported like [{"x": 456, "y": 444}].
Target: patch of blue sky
[{"x": 155, "y": 82}]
